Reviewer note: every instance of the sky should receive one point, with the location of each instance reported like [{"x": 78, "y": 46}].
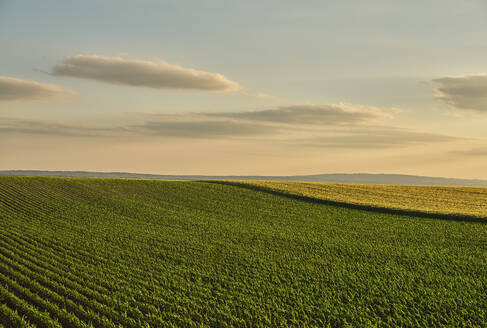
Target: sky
[{"x": 245, "y": 87}]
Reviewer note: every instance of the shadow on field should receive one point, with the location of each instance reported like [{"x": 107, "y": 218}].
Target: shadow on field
[{"x": 370, "y": 208}]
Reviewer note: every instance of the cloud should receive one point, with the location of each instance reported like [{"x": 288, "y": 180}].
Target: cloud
[
  {"x": 466, "y": 92},
  {"x": 377, "y": 137},
  {"x": 279, "y": 121},
  {"x": 474, "y": 152},
  {"x": 42, "y": 127},
  {"x": 324, "y": 126},
  {"x": 141, "y": 73},
  {"x": 203, "y": 129},
  {"x": 174, "y": 129},
  {"x": 334, "y": 114},
  {"x": 16, "y": 90}
]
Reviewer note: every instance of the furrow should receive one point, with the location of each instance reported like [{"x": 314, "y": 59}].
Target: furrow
[
  {"x": 41, "y": 319},
  {"x": 11, "y": 318},
  {"x": 85, "y": 293},
  {"x": 88, "y": 311}
]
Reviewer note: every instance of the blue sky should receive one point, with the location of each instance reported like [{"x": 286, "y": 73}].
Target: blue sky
[{"x": 366, "y": 55}]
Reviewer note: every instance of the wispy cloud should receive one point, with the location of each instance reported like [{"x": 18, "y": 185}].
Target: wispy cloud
[
  {"x": 472, "y": 152},
  {"x": 465, "y": 92},
  {"x": 141, "y": 73},
  {"x": 333, "y": 114},
  {"x": 17, "y": 90},
  {"x": 203, "y": 129},
  {"x": 44, "y": 127},
  {"x": 320, "y": 126},
  {"x": 377, "y": 137}
]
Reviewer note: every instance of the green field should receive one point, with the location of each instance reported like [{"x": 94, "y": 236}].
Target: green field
[
  {"x": 139, "y": 253},
  {"x": 448, "y": 201}
]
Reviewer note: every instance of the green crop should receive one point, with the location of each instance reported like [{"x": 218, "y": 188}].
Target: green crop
[
  {"x": 452, "y": 201},
  {"x": 138, "y": 253}
]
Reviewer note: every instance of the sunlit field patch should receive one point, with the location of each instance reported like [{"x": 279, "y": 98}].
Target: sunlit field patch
[{"x": 455, "y": 201}]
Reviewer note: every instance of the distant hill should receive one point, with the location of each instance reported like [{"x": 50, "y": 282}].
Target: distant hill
[{"x": 362, "y": 178}]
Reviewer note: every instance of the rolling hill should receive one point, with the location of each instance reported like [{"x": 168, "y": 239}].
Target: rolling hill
[
  {"x": 355, "y": 178},
  {"x": 88, "y": 252}
]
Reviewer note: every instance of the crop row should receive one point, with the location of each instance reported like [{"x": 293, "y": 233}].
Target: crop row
[
  {"x": 76, "y": 293},
  {"x": 11, "y": 318},
  {"x": 110, "y": 253}
]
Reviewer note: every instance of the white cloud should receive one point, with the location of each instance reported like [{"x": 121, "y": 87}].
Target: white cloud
[
  {"x": 466, "y": 92},
  {"x": 16, "y": 90},
  {"x": 157, "y": 75}
]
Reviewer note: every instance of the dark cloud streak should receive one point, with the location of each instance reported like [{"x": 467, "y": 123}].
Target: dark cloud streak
[
  {"x": 328, "y": 126},
  {"x": 379, "y": 137},
  {"x": 467, "y": 92},
  {"x": 203, "y": 129},
  {"x": 41, "y": 127},
  {"x": 473, "y": 152},
  {"x": 335, "y": 114}
]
